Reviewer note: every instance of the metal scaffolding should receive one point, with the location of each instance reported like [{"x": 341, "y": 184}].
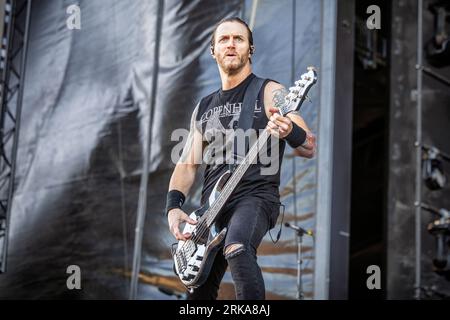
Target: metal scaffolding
[
  {"x": 12, "y": 69},
  {"x": 420, "y": 149}
]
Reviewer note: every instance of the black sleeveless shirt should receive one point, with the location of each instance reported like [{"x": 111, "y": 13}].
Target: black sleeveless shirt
[{"x": 217, "y": 114}]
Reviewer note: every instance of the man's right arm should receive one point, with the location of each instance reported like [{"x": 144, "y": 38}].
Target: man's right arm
[
  {"x": 183, "y": 178},
  {"x": 185, "y": 170}
]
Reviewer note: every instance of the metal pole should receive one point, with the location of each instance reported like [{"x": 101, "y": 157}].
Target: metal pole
[
  {"x": 142, "y": 205},
  {"x": 322, "y": 252},
  {"x": 418, "y": 143},
  {"x": 23, "y": 64},
  {"x": 294, "y": 164},
  {"x": 299, "y": 266},
  {"x": 251, "y": 25}
]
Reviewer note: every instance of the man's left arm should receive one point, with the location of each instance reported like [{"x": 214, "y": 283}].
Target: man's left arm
[{"x": 290, "y": 127}]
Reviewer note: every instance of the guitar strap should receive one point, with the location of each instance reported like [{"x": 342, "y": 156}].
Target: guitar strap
[{"x": 246, "y": 117}]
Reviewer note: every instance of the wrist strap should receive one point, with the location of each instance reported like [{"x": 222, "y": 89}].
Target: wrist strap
[
  {"x": 296, "y": 137},
  {"x": 175, "y": 199}
]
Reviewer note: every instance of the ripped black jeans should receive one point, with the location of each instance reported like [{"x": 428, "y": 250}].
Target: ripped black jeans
[{"x": 248, "y": 219}]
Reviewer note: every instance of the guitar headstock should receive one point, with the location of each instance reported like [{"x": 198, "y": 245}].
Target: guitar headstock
[{"x": 298, "y": 93}]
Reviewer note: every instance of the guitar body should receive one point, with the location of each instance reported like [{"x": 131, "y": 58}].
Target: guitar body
[{"x": 193, "y": 258}]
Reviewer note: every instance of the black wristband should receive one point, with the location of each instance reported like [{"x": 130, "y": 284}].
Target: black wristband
[
  {"x": 175, "y": 199},
  {"x": 296, "y": 137}
]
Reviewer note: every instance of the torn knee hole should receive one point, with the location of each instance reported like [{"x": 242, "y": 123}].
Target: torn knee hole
[{"x": 233, "y": 250}]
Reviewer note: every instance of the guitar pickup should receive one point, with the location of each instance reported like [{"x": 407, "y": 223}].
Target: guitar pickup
[{"x": 195, "y": 268}]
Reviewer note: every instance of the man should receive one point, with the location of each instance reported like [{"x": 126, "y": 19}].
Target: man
[{"x": 253, "y": 207}]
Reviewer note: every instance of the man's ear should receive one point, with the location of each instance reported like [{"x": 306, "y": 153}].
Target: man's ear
[
  {"x": 252, "y": 50},
  {"x": 211, "y": 50}
]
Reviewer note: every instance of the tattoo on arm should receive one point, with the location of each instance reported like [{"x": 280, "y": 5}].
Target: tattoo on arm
[{"x": 278, "y": 97}]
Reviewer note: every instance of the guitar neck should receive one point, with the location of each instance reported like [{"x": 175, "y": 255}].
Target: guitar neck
[{"x": 211, "y": 214}]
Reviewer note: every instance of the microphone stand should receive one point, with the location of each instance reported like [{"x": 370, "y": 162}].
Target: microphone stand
[
  {"x": 299, "y": 232},
  {"x": 300, "y": 295}
]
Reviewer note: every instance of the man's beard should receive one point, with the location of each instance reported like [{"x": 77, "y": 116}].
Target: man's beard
[{"x": 232, "y": 68}]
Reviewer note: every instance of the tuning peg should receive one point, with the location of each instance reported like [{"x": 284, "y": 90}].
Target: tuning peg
[{"x": 294, "y": 90}]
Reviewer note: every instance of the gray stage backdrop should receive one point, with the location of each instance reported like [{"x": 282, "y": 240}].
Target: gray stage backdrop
[{"x": 85, "y": 115}]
